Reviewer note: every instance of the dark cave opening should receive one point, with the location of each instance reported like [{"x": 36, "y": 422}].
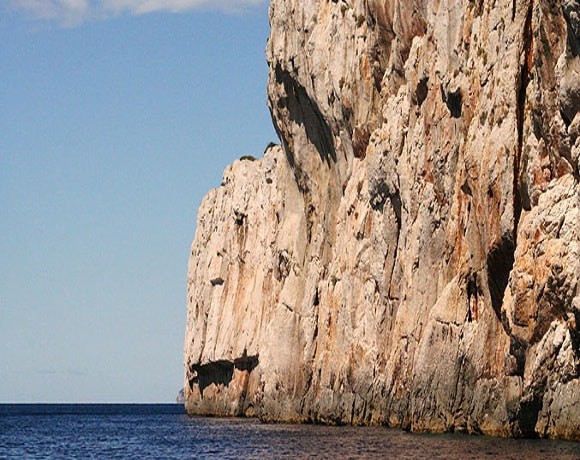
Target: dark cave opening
[{"x": 500, "y": 261}]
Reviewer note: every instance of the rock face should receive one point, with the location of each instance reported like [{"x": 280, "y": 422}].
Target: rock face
[{"x": 410, "y": 255}]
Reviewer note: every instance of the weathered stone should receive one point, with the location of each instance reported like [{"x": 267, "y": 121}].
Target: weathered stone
[{"x": 410, "y": 256}]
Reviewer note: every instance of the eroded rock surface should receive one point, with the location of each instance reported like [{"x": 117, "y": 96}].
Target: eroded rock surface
[{"x": 410, "y": 255}]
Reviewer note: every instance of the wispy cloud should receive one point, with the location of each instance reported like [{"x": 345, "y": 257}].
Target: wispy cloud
[
  {"x": 74, "y": 12},
  {"x": 71, "y": 372},
  {"x": 176, "y": 6}
]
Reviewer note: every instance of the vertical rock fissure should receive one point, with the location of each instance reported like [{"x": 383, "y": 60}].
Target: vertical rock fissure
[
  {"x": 530, "y": 407},
  {"x": 501, "y": 257},
  {"x": 500, "y": 261},
  {"x": 396, "y": 203},
  {"x": 524, "y": 81}
]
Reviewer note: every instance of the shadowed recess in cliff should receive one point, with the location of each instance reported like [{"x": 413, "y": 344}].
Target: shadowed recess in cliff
[
  {"x": 453, "y": 100},
  {"x": 500, "y": 261},
  {"x": 523, "y": 83},
  {"x": 528, "y": 416},
  {"x": 220, "y": 372},
  {"x": 304, "y": 111},
  {"x": 573, "y": 28}
]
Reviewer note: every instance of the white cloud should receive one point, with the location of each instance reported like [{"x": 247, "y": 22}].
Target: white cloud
[
  {"x": 175, "y": 6},
  {"x": 74, "y": 12}
]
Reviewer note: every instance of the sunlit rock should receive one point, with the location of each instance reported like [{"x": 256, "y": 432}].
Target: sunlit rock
[{"x": 410, "y": 255}]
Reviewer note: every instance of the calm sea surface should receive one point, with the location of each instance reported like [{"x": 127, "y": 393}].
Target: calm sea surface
[{"x": 164, "y": 431}]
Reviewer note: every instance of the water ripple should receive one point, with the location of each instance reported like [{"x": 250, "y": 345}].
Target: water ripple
[{"x": 165, "y": 432}]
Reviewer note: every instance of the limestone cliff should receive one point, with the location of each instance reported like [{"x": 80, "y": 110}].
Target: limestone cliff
[{"x": 410, "y": 255}]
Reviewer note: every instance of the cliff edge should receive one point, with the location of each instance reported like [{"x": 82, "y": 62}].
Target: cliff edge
[{"x": 410, "y": 255}]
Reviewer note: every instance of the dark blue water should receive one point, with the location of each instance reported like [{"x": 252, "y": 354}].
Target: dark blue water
[{"x": 164, "y": 431}]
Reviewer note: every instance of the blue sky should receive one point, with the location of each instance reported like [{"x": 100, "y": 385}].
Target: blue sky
[{"x": 116, "y": 117}]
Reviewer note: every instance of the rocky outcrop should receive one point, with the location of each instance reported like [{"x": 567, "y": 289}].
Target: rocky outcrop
[{"x": 410, "y": 255}]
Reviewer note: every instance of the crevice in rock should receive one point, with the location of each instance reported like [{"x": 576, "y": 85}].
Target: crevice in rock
[
  {"x": 528, "y": 417},
  {"x": 565, "y": 119},
  {"x": 307, "y": 387},
  {"x": 473, "y": 294},
  {"x": 523, "y": 83},
  {"x": 282, "y": 268},
  {"x": 518, "y": 350},
  {"x": 453, "y": 100},
  {"x": 239, "y": 217},
  {"x": 379, "y": 194},
  {"x": 316, "y": 300},
  {"x": 422, "y": 91},
  {"x": 310, "y": 218},
  {"x": 218, "y": 281},
  {"x": 500, "y": 261},
  {"x": 397, "y": 205},
  {"x": 465, "y": 188},
  {"x": 303, "y": 110},
  {"x": 575, "y": 337}
]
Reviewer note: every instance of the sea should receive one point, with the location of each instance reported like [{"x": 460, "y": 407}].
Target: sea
[{"x": 164, "y": 431}]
